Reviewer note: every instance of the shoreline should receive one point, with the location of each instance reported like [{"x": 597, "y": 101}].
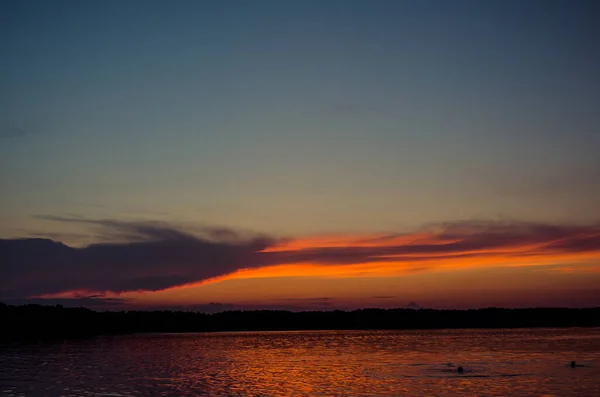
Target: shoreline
[{"x": 44, "y": 323}]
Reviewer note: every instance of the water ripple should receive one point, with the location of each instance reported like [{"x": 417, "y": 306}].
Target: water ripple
[{"x": 328, "y": 363}]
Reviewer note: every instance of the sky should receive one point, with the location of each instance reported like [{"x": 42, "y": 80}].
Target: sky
[{"x": 300, "y": 154}]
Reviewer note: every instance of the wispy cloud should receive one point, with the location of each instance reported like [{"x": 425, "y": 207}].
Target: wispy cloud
[
  {"x": 152, "y": 256},
  {"x": 449, "y": 245}
]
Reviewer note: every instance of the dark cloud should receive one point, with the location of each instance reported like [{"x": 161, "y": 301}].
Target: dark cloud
[
  {"x": 585, "y": 243},
  {"x": 153, "y": 256},
  {"x": 156, "y": 257}
]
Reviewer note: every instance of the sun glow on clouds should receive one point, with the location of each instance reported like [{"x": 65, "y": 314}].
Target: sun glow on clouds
[
  {"x": 396, "y": 255},
  {"x": 161, "y": 257}
]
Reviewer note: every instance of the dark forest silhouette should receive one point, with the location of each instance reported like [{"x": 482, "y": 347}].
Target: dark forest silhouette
[{"x": 37, "y": 322}]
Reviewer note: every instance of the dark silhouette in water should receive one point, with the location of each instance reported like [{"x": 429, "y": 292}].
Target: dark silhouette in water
[
  {"x": 36, "y": 322},
  {"x": 575, "y": 365},
  {"x": 460, "y": 370}
]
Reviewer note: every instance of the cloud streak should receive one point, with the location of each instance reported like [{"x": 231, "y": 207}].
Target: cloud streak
[
  {"x": 445, "y": 246},
  {"x": 151, "y": 256},
  {"x": 154, "y": 257}
]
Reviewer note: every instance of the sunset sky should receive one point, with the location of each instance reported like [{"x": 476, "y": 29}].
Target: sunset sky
[{"x": 212, "y": 155}]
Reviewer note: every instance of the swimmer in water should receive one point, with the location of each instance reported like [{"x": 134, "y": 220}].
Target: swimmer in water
[
  {"x": 574, "y": 364},
  {"x": 460, "y": 370}
]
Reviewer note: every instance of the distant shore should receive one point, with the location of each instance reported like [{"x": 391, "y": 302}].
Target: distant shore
[{"x": 41, "y": 323}]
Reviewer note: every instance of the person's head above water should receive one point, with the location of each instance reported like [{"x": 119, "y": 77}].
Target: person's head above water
[
  {"x": 573, "y": 364},
  {"x": 460, "y": 370}
]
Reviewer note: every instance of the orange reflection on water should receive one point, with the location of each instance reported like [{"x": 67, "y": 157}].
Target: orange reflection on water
[{"x": 382, "y": 363}]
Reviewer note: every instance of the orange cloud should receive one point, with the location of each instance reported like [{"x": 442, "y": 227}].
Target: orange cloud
[
  {"x": 447, "y": 247},
  {"x": 160, "y": 257}
]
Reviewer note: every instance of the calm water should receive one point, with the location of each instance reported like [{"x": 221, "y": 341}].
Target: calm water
[{"x": 328, "y": 363}]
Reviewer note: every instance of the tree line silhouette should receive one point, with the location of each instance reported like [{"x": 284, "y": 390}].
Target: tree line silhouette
[{"x": 38, "y": 322}]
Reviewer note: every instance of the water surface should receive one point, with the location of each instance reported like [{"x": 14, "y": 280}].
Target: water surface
[{"x": 523, "y": 362}]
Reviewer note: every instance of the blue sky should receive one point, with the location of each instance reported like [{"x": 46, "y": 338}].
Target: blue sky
[{"x": 299, "y": 117}]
